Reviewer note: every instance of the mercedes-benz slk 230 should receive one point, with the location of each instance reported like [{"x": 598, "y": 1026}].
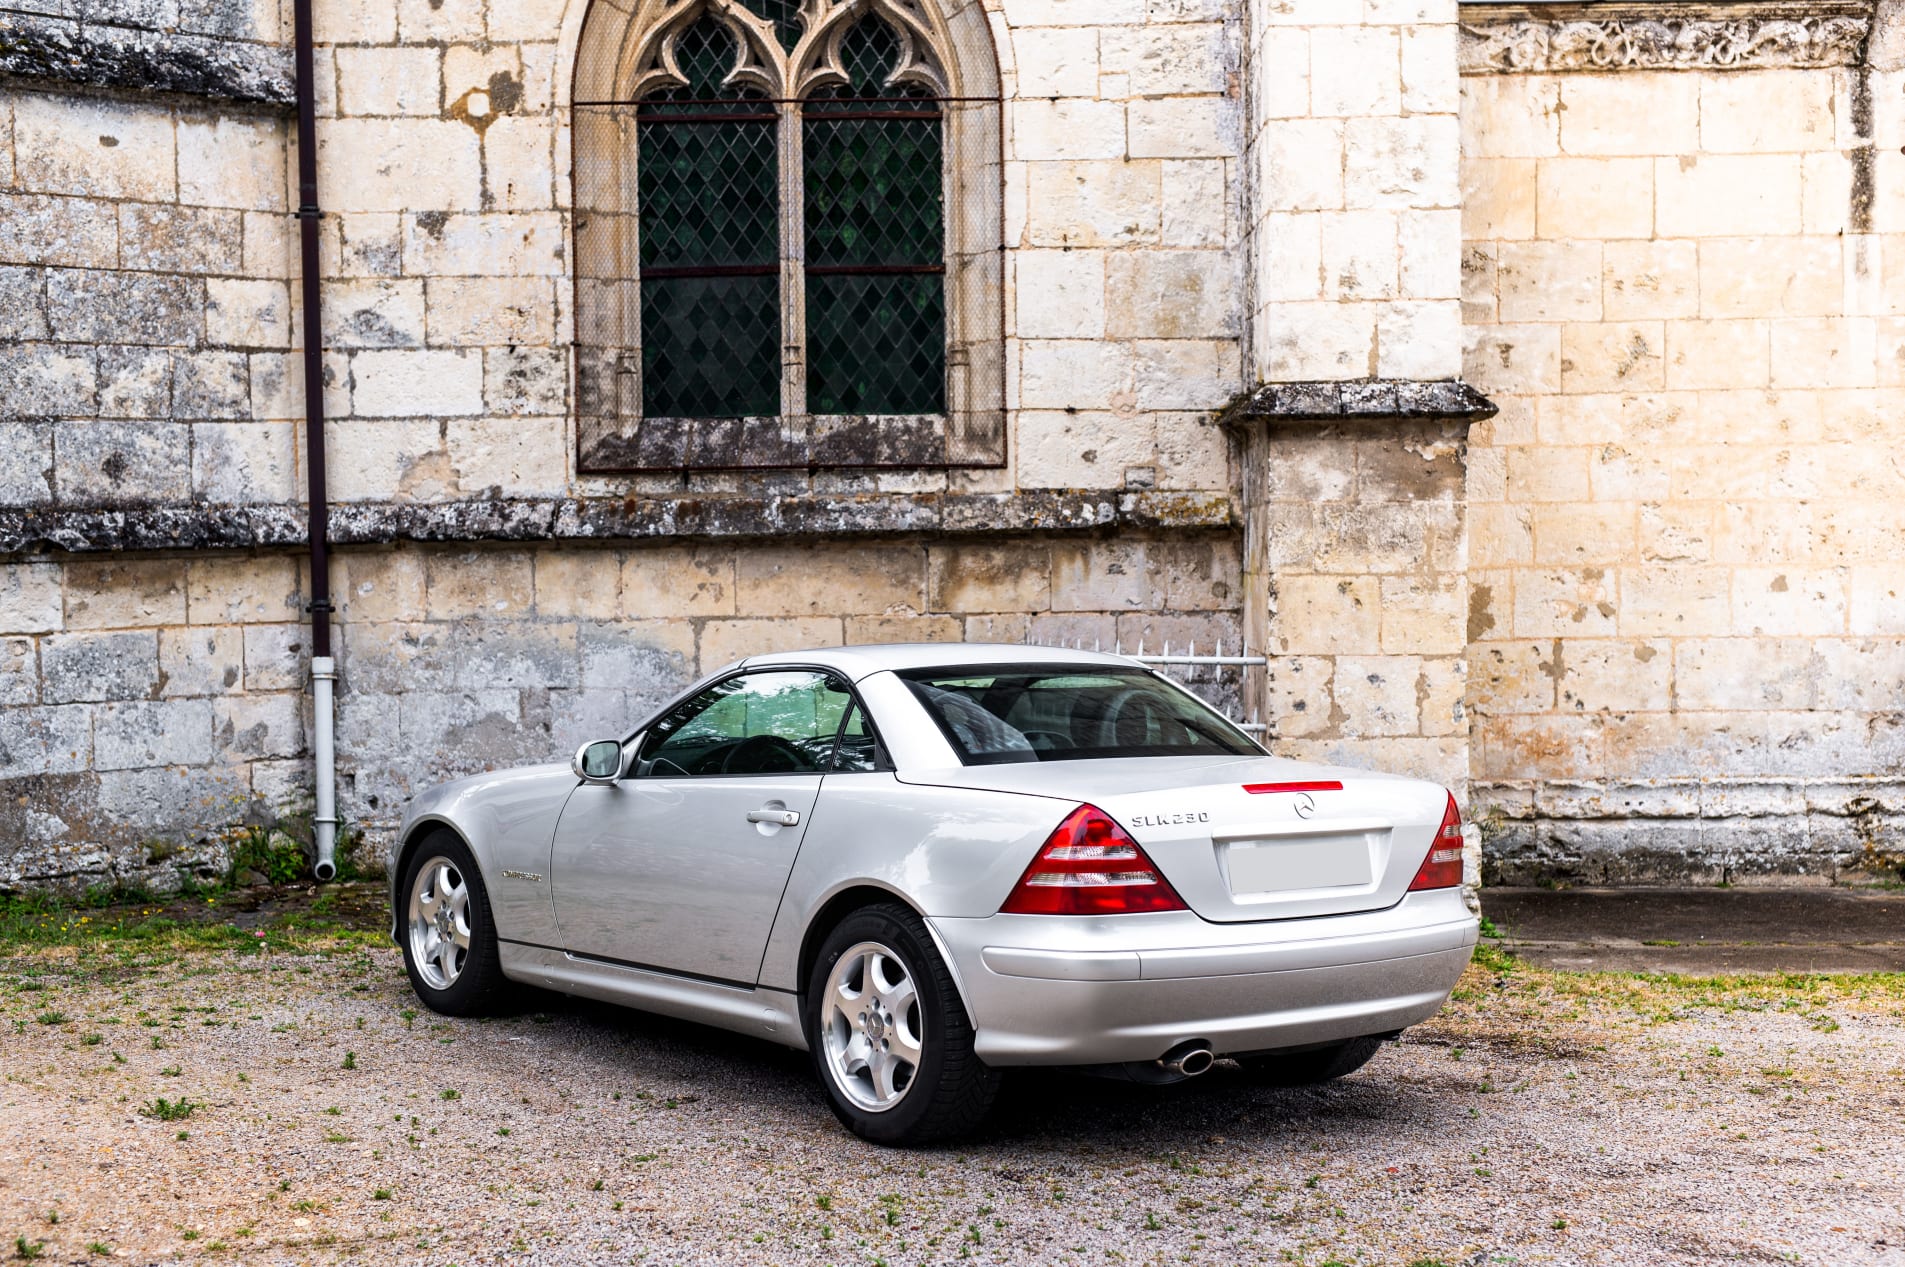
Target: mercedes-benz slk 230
[{"x": 928, "y": 864}]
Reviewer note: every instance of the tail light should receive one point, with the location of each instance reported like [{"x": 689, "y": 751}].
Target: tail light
[
  {"x": 1442, "y": 869},
  {"x": 1090, "y": 866}
]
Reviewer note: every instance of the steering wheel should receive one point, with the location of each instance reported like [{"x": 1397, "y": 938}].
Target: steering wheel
[{"x": 766, "y": 754}]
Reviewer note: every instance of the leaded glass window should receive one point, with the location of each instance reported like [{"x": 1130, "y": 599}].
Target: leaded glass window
[{"x": 787, "y": 237}]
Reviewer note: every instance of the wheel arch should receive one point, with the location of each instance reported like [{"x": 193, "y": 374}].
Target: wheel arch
[{"x": 858, "y": 896}]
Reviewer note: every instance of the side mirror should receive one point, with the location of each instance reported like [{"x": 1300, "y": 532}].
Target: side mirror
[{"x": 601, "y": 762}]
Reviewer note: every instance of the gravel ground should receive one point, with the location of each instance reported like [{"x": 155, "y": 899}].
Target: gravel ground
[{"x": 1543, "y": 1118}]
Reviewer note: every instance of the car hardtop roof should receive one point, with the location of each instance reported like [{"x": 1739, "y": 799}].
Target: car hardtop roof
[{"x": 862, "y": 661}]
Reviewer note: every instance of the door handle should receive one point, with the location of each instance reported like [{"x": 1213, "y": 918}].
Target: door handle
[{"x": 778, "y": 817}]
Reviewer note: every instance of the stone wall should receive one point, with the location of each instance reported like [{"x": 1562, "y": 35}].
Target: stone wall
[
  {"x": 150, "y": 705},
  {"x": 1685, "y": 288}
]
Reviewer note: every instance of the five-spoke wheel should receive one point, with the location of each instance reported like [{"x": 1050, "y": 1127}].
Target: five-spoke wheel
[
  {"x": 449, "y": 939},
  {"x": 439, "y": 922},
  {"x": 871, "y": 1029}
]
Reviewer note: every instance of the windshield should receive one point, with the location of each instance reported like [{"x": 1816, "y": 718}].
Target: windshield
[{"x": 999, "y": 715}]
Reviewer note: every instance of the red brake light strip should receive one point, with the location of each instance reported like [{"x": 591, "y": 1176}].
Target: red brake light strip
[{"x": 1265, "y": 789}]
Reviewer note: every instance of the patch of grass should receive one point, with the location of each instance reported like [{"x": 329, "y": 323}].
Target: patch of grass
[
  {"x": 51, "y": 1018},
  {"x": 449, "y": 1093},
  {"x": 350, "y": 1060},
  {"x": 29, "y": 1250},
  {"x": 382, "y": 1194},
  {"x": 164, "y": 1110}
]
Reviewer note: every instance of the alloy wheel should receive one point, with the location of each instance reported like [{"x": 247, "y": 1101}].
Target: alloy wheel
[
  {"x": 870, "y": 1027},
  {"x": 440, "y": 923}
]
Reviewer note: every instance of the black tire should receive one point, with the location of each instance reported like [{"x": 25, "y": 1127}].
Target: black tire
[
  {"x": 1308, "y": 1068},
  {"x": 951, "y": 1089},
  {"x": 478, "y": 987}
]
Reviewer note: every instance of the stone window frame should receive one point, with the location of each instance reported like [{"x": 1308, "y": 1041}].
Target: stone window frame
[{"x": 624, "y": 52}]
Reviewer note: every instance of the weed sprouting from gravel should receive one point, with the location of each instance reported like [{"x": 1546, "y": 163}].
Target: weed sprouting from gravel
[
  {"x": 23, "y": 1248},
  {"x": 51, "y": 1018},
  {"x": 350, "y": 1060},
  {"x": 449, "y": 1093},
  {"x": 164, "y": 1110}
]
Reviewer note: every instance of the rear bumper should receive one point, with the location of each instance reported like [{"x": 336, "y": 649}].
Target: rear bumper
[{"x": 1055, "y": 990}]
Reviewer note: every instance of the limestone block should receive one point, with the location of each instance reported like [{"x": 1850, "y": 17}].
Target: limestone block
[
  {"x": 99, "y": 666},
  {"x": 517, "y": 654},
  {"x": 1060, "y": 294},
  {"x": 587, "y": 716},
  {"x": 45, "y": 740},
  {"x": 19, "y": 672},
  {"x": 527, "y": 20},
  {"x": 1808, "y": 602},
  {"x": 64, "y": 144},
  {"x": 1198, "y": 575},
  {"x": 1109, "y": 576},
  {"x": 678, "y": 580},
  {"x": 519, "y": 244},
  {"x": 47, "y": 379},
  {"x": 1199, "y": 207},
  {"x": 1186, "y": 373},
  {"x": 1081, "y": 204},
  {"x": 1718, "y": 354},
  {"x": 1548, "y": 474},
  {"x": 1499, "y": 533},
  {"x": 211, "y": 385},
  {"x": 1429, "y": 254},
  {"x": 372, "y": 244},
  {"x": 1674, "y": 600},
  {"x": 871, "y": 630},
  {"x": 122, "y": 463},
  {"x": 258, "y": 727},
  {"x": 1169, "y": 295},
  {"x": 1824, "y": 352},
  {"x": 1359, "y": 255},
  {"x": 1639, "y": 473},
  {"x": 506, "y": 458},
  {"x": 1299, "y": 165},
  {"x": 489, "y": 583},
  {"x": 1746, "y": 674},
  {"x": 1010, "y": 627},
  {"x": 1615, "y": 356},
  {"x": 1768, "y": 277},
  {"x": 1411, "y": 161},
  {"x": 1430, "y": 84},
  {"x": 1376, "y": 695},
  {"x": 230, "y": 161},
  {"x": 247, "y": 313},
  {"x": 395, "y": 384},
  {"x": 237, "y": 462},
  {"x": 171, "y": 239},
  {"x": 267, "y": 244},
  {"x": 1510, "y": 116},
  {"x": 724, "y": 642},
  {"x": 652, "y": 659},
  {"x": 1073, "y": 374},
  {"x": 1877, "y": 600},
  {"x": 1329, "y": 341},
  {"x": 74, "y": 232},
  {"x": 1539, "y": 747},
  {"x": 1355, "y": 70},
  {"x": 1289, "y": 258},
  {"x": 1424, "y": 615},
  {"x": 228, "y": 591},
  {"x": 1312, "y": 13},
  {"x": 374, "y": 313},
  {"x": 467, "y": 731},
  {"x": 1327, "y": 615},
  {"x": 387, "y": 81},
  {"x": 394, "y": 165},
  {"x": 26, "y": 464},
  {"x": 1637, "y": 112},
  {"x": 1727, "y": 195},
  {"x": 1161, "y": 61},
  {"x": 1193, "y": 453},
  {"x": 84, "y": 306},
  {"x": 1862, "y": 674},
  {"x": 1570, "y": 534},
  {"x": 401, "y": 657},
  {"x": 1498, "y": 198},
  {"x": 1511, "y": 677},
  {"x": 1784, "y": 532},
  {"x": 135, "y": 382},
  {"x": 274, "y": 657},
  {"x": 1594, "y": 198},
  {"x": 402, "y": 459},
  {"x": 581, "y": 582},
  {"x": 1056, "y": 61},
  {"x": 1649, "y": 280},
  {"x": 1297, "y": 698},
  {"x": 122, "y": 594},
  {"x": 1769, "y": 111},
  {"x": 519, "y": 158},
  {"x": 805, "y": 581},
  {"x": 521, "y": 381},
  {"x": 1082, "y": 450},
  {"x": 1069, "y": 128},
  {"x": 1825, "y": 194},
  {"x": 30, "y": 598},
  {"x": 1419, "y": 340},
  {"x": 1568, "y": 603},
  {"x": 977, "y": 578},
  {"x": 421, "y": 21},
  {"x": 1280, "y": 74},
  {"x": 1185, "y": 127},
  {"x": 1549, "y": 281}
]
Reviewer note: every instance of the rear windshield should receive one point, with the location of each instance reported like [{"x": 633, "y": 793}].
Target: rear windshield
[{"x": 996, "y": 716}]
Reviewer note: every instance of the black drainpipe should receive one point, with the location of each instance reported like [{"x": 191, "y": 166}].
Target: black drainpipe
[{"x": 323, "y": 666}]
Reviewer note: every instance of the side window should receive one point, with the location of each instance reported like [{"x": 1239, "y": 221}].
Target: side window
[
  {"x": 859, "y": 750},
  {"x": 758, "y": 723}
]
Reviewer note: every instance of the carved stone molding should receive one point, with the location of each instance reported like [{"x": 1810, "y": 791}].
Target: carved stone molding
[{"x": 1512, "y": 39}]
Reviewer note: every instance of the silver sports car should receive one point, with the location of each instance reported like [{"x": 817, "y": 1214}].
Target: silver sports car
[{"x": 926, "y": 864}]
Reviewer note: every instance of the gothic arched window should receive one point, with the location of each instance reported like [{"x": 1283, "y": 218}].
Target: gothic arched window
[{"x": 788, "y": 237}]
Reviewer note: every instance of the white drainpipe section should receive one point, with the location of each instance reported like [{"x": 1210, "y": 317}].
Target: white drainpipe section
[{"x": 324, "y": 823}]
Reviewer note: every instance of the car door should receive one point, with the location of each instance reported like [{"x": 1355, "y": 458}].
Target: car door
[{"x": 680, "y": 866}]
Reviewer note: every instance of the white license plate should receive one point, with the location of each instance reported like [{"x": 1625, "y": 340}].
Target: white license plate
[{"x": 1302, "y": 862}]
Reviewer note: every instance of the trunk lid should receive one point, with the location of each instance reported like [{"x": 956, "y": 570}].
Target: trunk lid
[{"x": 1293, "y": 847}]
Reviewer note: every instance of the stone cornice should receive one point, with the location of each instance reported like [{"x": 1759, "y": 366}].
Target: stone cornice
[
  {"x": 39, "y": 47},
  {"x": 1508, "y": 39},
  {"x": 1364, "y": 400},
  {"x": 607, "y": 519}
]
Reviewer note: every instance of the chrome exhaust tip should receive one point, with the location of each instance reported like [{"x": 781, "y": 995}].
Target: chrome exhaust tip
[{"x": 1188, "y": 1060}]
